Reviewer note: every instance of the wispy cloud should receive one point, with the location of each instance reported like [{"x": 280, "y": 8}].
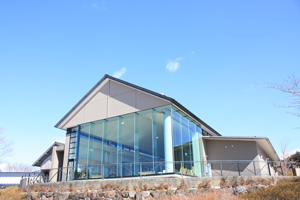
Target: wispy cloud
[
  {"x": 94, "y": 5},
  {"x": 102, "y": 6},
  {"x": 172, "y": 66},
  {"x": 119, "y": 73}
]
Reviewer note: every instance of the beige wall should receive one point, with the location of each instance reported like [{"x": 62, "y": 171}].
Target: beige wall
[
  {"x": 241, "y": 150},
  {"x": 114, "y": 99},
  {"x": 66, "y": 151},
  {"x": 47, "y": 163},
  {"x": 56, "y": 162},
  {"x": 236, "y": 150}
]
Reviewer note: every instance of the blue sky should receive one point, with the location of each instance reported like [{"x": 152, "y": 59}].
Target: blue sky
[{"x": 208, "y": 55}]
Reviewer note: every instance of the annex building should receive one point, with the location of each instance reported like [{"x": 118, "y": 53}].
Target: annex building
[{"x": 119, "y": 129}]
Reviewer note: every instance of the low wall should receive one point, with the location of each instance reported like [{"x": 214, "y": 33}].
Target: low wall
[{"x": 192, "y": 182}]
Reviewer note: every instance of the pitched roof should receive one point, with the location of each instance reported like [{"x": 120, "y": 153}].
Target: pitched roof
[
  {"x": 173, "y": 101},
  {"x": 47, "y": 153}
]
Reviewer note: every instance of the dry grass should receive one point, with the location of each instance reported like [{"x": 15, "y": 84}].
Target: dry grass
[
  {"x": 284, "y": 189},
  {"x": 216, "y": 195},
  {"x": 12, "y": 193}
]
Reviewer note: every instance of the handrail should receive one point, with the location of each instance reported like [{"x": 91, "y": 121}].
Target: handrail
[{"x": 184, "y": 168}]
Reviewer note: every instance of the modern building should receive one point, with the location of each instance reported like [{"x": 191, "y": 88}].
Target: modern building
[{"x": 119, "y": 129}]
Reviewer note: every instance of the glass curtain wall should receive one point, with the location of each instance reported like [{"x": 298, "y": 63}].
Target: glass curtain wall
[
  {"x": 140, "y": 143},
  {"x": 127, "y": 145},
  {"x": 188, "y": 146}
]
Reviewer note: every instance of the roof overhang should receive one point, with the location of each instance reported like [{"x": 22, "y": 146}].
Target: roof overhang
[
  {"x": 47, "y": 153},
  {"x": 263, "y": 142}
]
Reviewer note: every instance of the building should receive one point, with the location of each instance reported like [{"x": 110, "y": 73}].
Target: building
[{"x": 119, "y": 129}]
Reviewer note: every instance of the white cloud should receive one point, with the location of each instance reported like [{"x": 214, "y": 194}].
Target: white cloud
[
  {"x": 119, "y": 73},
  {"x": 102, "y": 6},
  {"x": 95, "y": 5},
  {"x": 172, "y": 66}
]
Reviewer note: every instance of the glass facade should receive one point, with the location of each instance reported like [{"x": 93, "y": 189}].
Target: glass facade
[{"x": 141, "y": 143}]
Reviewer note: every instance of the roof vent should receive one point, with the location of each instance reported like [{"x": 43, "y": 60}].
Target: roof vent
[{"x": 163, "y": 94}]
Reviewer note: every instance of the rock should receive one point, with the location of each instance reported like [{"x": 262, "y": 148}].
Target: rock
[
  {"x": 110, "y": 194},
  {"x": 145, "y": 194},
  {"x": 124, "y": 194},
  {"x": 170, "y": 192},
  {"x": 155, "y": 194},
  {"x": 87, "y": 198},
  {"x": 177, "y": 192},
  {"x": 101, "y": 194},
  {"x": 239, "y": 190},
  {"x": 131, "y": 194},
  {"x": 193, "y": 192},
  {"x": 40, "y": 194},
  {"x": 28, "y": 196},
  {"x": 158, "y": 194},
  {"x": 55, "y": 195},
  {"x": 71, "y": 195},
  {"x": 75, "y": 197},
  {"x": 118, "y": 196},
  {"x": 93, "y": 195},
  {"x": 34, "y": 195},
  {"x": 43, "y": 197},
  {"x": 82, "y": 195},
  {"x": 49, "y": 194},
  {"x": 63, "y": 195},
  {"x": 139, "y": 196}
]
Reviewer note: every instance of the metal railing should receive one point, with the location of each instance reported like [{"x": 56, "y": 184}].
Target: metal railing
[{"x": 208, "y": 168}]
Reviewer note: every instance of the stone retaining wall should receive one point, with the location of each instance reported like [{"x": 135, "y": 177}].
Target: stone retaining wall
[{"x": 192, "y": 182}]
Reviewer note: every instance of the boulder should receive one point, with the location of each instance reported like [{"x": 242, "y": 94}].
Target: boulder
[
  {"x": 145, "y": 194},
  {"x": 49, "y": 194},
  {"x": 101, "y": 194},
  {"x": 40, "y": 194},
  {"x": 193, "y": 192},
  {"x": 124, "y": 194},
  {"x": 170, "y": 192},
  {"x": 34, "y": 195},
  {"x": 131, "y": 194},
  {"x": 93, "y": 195},
  {"x": 43, "y": 197},
  {"x": 82, "y": 195},
  {"x": 118, "y": 196},
  {"x": 110, "y": 194},
  {"x": 158, "y": 194},
  {"x": 139, "y": 196},
  {"x": 239, "y": 190}
]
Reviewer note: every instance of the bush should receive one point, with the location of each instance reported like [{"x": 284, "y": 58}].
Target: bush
[{"x": 12, "y": 193}]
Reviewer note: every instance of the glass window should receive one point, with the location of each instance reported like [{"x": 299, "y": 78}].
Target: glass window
[
  {"x": 145, "y": 141},
  {"x": 177, "y": 139},
  {"x": 127, "y": 147}
]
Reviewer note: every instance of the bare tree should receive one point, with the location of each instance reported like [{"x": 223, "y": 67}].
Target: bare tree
[
  {"x": 5, "y": 146},
  {"x": 284, "y": 143},
  {"x": 19, "y": 168},
  {"x": 290, "y": 86}
]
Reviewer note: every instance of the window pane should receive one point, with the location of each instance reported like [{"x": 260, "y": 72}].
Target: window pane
[
  {"x": 177, "y": 139},
  {"x": 127, "y": 125}
]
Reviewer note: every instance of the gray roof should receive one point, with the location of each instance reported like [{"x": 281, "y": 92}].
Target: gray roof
[
  {"x": 47, "y": 153},
  {"x": 144, "y": 90}
]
